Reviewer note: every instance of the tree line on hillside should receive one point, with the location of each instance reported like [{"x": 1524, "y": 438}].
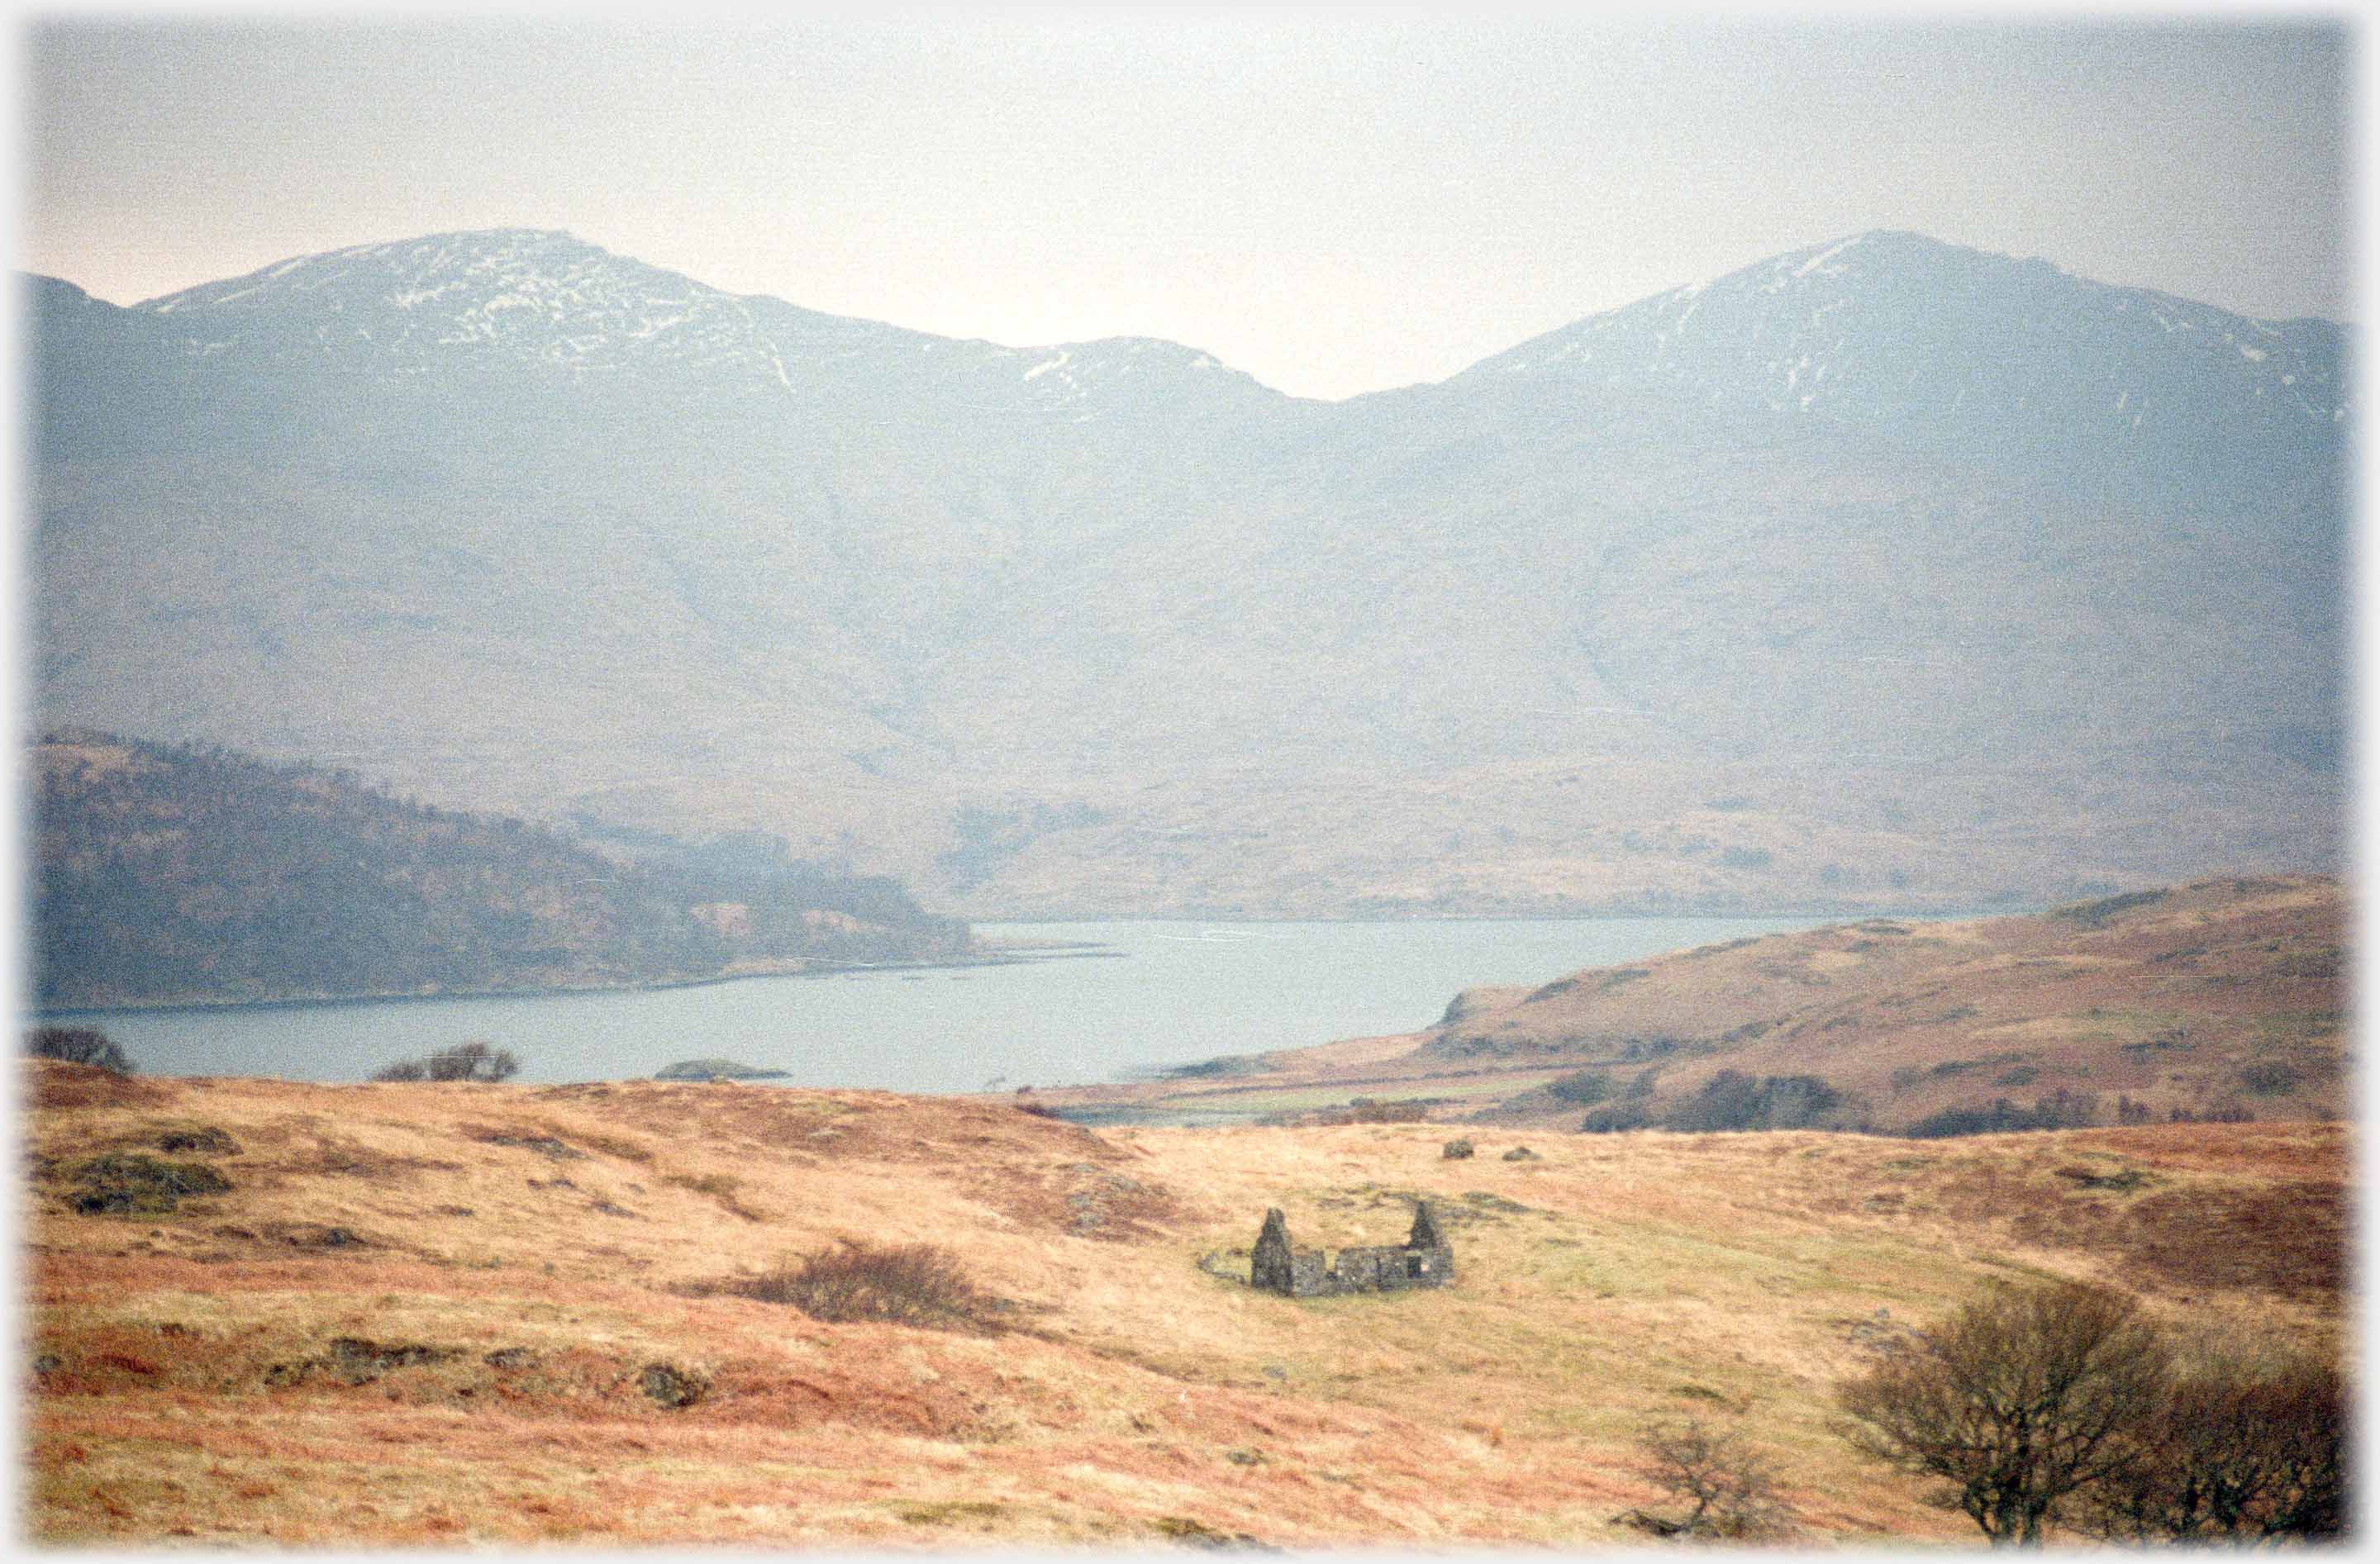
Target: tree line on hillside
[
  {"x": 195, "y": 872},
  {"x": 1735, "y": 1099}
]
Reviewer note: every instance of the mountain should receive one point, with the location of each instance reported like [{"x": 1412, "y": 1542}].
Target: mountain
[
  {"x": 193, "y": 877},
  {"x": 1882, "y": 574},
  {"x": 2015, "y": 366}
]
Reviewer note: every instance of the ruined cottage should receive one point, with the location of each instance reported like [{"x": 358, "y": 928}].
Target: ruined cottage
[{"x": 1424, "y": 1259}]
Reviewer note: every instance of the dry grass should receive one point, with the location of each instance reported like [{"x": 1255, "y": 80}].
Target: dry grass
[{"x": 476, "y": 1363}]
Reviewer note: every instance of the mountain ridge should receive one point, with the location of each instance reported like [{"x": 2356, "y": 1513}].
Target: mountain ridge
[
  {"x": 1810, "y": 258},
  {"x": 862, "y": 600}
]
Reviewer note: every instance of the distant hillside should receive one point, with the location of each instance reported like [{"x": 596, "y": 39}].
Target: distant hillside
[
  {"x": 2223, "y": 1000},
  {"x": 1880, "y": 574},
  {"x": 196, "y": 875}
]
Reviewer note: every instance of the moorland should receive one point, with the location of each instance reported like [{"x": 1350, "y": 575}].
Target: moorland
[
  {"x": 419, "y": 1314},
  {"x": 401, "y": 1314}
]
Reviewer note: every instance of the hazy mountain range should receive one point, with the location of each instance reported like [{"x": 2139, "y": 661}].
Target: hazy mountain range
[{"x": 1883, "y": 573}]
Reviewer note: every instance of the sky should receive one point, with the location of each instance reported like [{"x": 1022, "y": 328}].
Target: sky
[{"x": 1335, "y": 200}]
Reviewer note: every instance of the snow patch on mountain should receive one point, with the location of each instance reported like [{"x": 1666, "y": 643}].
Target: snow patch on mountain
[
  {"x": 528, "y": 297},
  {"x": 1861, "y": 328},
  {"x": 542, "y": 299}
]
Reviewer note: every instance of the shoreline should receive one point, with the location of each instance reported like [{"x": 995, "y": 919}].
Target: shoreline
[
  {"x": 1012, "y": 953},
  {"x": 1015, "y": 953}
]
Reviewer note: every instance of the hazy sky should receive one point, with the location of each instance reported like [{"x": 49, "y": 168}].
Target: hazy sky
[{"x": 1333, "y": 200}]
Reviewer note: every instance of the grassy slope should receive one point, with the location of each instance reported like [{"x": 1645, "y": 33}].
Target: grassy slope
[
  {"x": 1136, "y": 1397},
  {"x": 2162, "y": 996}
]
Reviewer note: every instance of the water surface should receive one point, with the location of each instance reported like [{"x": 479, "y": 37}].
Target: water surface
[{"x": 1168, "y": 994}]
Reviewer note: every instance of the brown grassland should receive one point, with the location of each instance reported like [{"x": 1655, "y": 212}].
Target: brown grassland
[{"x": 454, "y": 1313}]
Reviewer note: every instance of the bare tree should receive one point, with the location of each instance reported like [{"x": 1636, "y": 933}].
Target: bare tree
[
  {"x": 2250, "y": 1445},
  {"x": 2024, "y": 1398},
  {"x": 1729, "y": 1486}
]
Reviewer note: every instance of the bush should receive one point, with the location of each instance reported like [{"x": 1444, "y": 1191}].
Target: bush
[
  {"x": 1372, "y": 1110},
  {"x": 2249, "y": 1446},
  {"x": 77, "y": 1045},
  {"x": 2061, "y": 1402},
  {"x": 129, "y": 1183},
  {"x": 1729, "y": 1100},
  {"x": 2095, "y": 915},
  {"x": 1731, "y": 1488},
  {"x": 2269, "y": 1077},
  {"x": 1629, "y": 1113},
  {"x": 914, "y": 1284},
  {"x": 464, "y": 1061},
  {"x": 1584, "y": 1088},
  {"x": 1733, "y": 1100},
  {"x": 2061, "y": 1109},
  {"x": 2000, "y": 1118}
]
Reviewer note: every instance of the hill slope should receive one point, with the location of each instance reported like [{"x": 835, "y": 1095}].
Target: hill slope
[
  {"x": 470, "y": 1313},
  {"x": 2222, "y": 998},
  {"x": 1882, "y": 574},
  {"x": 187, "y": 875}
]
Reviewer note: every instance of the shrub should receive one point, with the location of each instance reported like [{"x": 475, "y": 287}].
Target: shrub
[
  {"x": 1731, "y": 1488},
  {"x": 914, "y": 1284},
  {"x": 2095, "y": 915},
  {"x": 1733, "y": 1100},
  {"x": 1794, "y": 1102},
  {"x": 1998, "y": 1119},
  {"x": 141, "y": 1185},
  {"x": 464, "y": 1061},
  {"x": 672, "y": 1388},
  {"x": 2248, "y": 1446},
  {"x": 1584, "y": 1088},
  {"x": 2269, "y": 1077},
  {"x": 2061, "y": 1109},
  {"x": 1729, "y": 1100},
  {"x": 77, "y": 1045},
  {"x": 1629, "y": 1113}
]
